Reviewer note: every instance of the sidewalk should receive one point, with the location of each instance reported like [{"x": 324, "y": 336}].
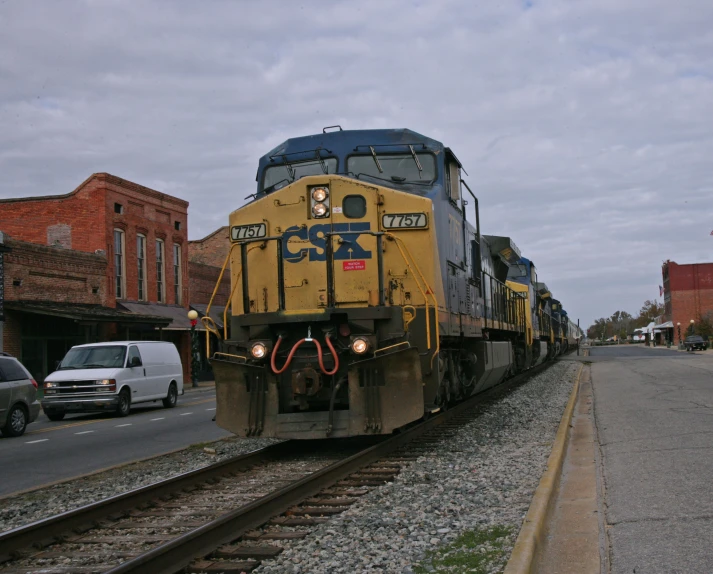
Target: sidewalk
[{"x": 641, "y": 461}]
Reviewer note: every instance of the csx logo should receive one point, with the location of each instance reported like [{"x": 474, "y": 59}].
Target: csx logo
[{"x": 347, "y": 248}]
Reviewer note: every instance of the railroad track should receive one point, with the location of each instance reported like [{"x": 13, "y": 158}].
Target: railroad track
[{"x": 228, "y": 516}]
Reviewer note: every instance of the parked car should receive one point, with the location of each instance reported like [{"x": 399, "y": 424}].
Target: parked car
[
  {"x": 113, "y": 376},
  {"x": 18, "y": 396},
  {"x": 695, "y": 342}
]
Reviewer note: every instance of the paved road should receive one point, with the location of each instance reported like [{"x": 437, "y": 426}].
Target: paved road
[
  {"x": 51, "y": 451},
  {"x": 654, "y": 415}
]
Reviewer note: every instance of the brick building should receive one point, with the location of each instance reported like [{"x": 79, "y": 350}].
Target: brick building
[
  {"x": 107, "y": 261},
  {"x": 688, "y": 294}
]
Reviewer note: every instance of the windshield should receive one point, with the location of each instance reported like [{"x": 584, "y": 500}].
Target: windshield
[
  {"x": 400, "y": 168},
  {"x": 110, "y": 356},
  {"x": 281, "y": 173}
]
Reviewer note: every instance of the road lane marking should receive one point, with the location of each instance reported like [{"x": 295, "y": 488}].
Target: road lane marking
[
  {"x": 198, "y": 402},
  {"x": 184, "y": 414},
  {"x": 84, "y": 432},
  {"x": 159, "y": 419},
  {"x": 38, "y": 440},
  {"x": 211, "y": 409},
  {"x": 124, "y": 425}
]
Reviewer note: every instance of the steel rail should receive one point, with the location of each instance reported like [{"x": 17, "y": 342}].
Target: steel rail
[
  {"x": 43, "y": 531},
  {"x": 173, "y": 556}
]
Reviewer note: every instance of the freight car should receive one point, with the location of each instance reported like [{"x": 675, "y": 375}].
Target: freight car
[{"x": 363, "y": 294}]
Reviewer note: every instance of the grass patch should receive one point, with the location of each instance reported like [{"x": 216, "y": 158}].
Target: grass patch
[{"x": 476, "y": 551}]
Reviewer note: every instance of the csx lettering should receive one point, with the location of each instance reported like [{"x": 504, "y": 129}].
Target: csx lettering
[{"x": 347, "y": 248}]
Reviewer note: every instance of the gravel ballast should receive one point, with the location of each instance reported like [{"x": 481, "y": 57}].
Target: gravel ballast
[
  {"x": 468, "y": 496},
  {"x": 22, "y": 509}
]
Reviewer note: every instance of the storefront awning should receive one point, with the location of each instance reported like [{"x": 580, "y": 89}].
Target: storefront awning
[
  {"x": 176, "y": 315},
  {"x": 86, "y": 313},
  {"x": 666, "y": 325}
]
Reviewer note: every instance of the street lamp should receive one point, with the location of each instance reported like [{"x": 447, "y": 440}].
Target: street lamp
[
  {"x": 193, "y": 317},
  {"x": 692, "y": 321},
  {"x": 680, "y": 341}
]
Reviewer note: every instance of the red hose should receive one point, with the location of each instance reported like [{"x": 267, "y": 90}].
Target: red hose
[
  {"x": 334, "y": 354},
  {"x": 292, "y": 354}
]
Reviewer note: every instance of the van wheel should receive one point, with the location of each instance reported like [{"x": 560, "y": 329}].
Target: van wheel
[
  {"x": 16, "y": 422},
  {"x": 172, "y": 397},
  {"x": 54, "y": 416},
  {"x": 124, "y": 403}
]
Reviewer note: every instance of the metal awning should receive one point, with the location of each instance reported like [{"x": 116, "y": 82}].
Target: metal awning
[
  {"x": 176, "y": 315},
  {"x": 86, "y": 313},
  {"x": 666, "y": 325}
]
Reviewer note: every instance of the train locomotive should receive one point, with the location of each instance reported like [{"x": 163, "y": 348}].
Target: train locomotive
[{"x": 363, "y": 294}]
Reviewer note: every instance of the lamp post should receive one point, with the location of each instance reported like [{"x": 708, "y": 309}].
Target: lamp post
[
  {"x": 691, "y": 327},
  {"x": 680, "y": 341},
  {"x": 193, "y": 317}
]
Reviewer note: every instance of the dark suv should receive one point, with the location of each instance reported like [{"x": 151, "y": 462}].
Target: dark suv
[
  {"x": 695, "y": 342},
  {"x": 18, "y": 397}
]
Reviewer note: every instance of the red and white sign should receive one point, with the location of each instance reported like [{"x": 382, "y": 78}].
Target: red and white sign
[{"x": 354, "y": 265}]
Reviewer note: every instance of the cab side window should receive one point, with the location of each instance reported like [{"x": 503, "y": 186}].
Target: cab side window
[
  {"x": 453, "y": 180},
  {"x": 134, "y": 359}
]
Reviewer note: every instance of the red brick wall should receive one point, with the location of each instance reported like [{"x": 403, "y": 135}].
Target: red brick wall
[
  {"x": 202, "y": 282},
  {"x": 12, "y": 333},
  {"x": 212, "y": 249},
  {"x": 154, "y": 215},
  {"x": 30, "y": 219},
  {"x": 688, "y": 293},
  {"x": 40, "y": 273},
  {"x": 85, "y": 220}
]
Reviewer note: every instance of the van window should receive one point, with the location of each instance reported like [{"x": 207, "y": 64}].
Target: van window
[
  {"x": 133, "y": 352},
  {"x": 11, "y": 371}
]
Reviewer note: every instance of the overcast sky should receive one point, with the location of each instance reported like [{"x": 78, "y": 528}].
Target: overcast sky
[{"x": 586, "y": 126}]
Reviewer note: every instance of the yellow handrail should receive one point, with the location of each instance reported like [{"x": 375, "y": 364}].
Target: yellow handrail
[
  {"x": 207, "y": 321},
  {"x": 399, "y": 243}
]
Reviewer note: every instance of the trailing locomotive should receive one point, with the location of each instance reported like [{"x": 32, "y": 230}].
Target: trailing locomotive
[{"x": 364, "y": 295}]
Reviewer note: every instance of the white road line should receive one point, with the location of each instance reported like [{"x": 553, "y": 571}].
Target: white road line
[
  {"x": 184, "y": 414},
  {"x": 84, "y": 432},
  {"x": 211, "y": 409},
  {"x": 124, "y": 425},
  {"x": 159, "y": 419},
  {"x": 38, "y": 440}
]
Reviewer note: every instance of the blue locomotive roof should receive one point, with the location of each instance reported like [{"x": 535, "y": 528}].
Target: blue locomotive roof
[{"x": 343, "y": 143}]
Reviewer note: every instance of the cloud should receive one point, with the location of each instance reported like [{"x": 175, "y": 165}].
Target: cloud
[{"x": 584, "y": 126}]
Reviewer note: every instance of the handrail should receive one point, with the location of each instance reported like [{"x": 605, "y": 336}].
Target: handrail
[
  {"x": 399, "y": 242},
  {"x": 208, "y": 321}
]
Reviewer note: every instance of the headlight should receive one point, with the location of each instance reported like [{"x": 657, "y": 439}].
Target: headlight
[
  {"x": 50, "y": 385},
  {"x": 258, "y": 351},
  {"x": 319, "y": 193},
  {"x": 360, "y": 346},
  {"x": 320, "y": 210},
  {"x": 106, "y": 382}
]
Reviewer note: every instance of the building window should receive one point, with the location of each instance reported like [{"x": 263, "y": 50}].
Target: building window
[
  {"x": 141, "y": 261},
  {"x": 160, "y": 287},
  {"x": 119, "y": 264},
  {"x": 177, "y": 272},
  {"x": 118, "y": 208},
  {"x": 177, "y": 225}
]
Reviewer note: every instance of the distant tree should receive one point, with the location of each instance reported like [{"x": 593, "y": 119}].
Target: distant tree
[
  {"x": 704, "y": 324},
  {"x": 649, "y": 311}
]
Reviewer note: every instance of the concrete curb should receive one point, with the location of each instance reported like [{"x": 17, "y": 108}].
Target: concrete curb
[{"x": 530, "y": 540}]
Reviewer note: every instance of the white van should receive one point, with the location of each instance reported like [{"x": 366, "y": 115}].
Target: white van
[{"x": 113, "y": 376}]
